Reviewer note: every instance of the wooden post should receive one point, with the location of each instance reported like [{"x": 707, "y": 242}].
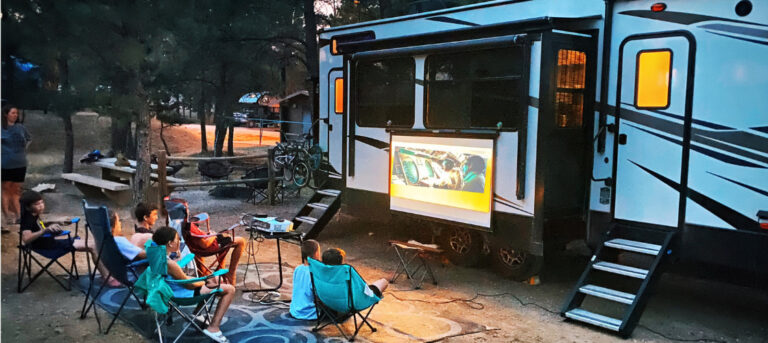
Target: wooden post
[
  {"x": 271, "y": 174},
  {"x": 261, "y": 130},
  {"x": 162, "y": 183}
]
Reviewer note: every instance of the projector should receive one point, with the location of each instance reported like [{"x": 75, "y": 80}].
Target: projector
[{"x": 272, "y": 224}]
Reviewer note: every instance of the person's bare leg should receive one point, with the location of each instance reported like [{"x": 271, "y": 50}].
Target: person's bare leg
[
  {"x": 81, "y": 245},
  {"x": 6, "y": 199},
  {"x": 13, "y": 206},
  {"x": 235, "y": 259},
  {"x": 381, "y": 284},
  {"x": 228, "y": 294}
]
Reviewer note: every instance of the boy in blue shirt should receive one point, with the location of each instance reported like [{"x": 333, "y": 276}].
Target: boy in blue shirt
[{"x": 302, "y": 299}]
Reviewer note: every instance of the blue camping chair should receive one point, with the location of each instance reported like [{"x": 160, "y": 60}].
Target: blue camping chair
[
  {"x": 340, "y": 292},
  {"x": 153, "y": 284},
  {"x": 27, "y": 256},
  {"x": 124, "y": 271}
]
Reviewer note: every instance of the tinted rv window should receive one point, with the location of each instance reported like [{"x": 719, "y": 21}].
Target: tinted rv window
[
  {"x": 569, "y": 96},
  {"x": 476, "y": 89},
  {"x": 385, "y": 92}
]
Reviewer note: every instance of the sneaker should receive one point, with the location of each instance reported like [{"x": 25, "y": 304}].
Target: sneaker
[{"x": 216, "y": 336}]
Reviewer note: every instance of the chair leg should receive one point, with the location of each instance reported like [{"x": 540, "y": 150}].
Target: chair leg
[
  {"x": 20, "y": 273},
  {"x": 125, "y": 300},
  {"x": 158, "y": 328}
]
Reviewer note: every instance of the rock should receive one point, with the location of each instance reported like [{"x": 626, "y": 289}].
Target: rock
[{"x": 58, "y": 330}]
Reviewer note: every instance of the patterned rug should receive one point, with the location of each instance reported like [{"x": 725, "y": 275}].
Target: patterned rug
[{"x": 249, "y": 320}]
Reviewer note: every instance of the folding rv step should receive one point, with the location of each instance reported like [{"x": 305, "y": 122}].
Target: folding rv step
[
  {"x": 334, "y": 176},
  {"x": 594, "y": 319},
  {"x": 641, "y": 247},
  {"x": 318, "y": 205},
  {"x": 307, "y": 219},
  {"x": 621, "y": 269},
  {"x": 607, "y": 293},
  {"x": 329, "y": 192}
]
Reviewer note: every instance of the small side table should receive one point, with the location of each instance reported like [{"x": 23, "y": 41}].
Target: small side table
[{"x": 413, "y": 256}]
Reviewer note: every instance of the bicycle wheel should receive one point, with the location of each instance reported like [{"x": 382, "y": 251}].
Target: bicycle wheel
[
  {"x": 319, "y": 178},
  {"x": 301, "y": 174},
  {"x": 288, "y": 172}
]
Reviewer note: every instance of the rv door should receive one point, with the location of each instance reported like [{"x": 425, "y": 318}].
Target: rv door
[
  {"x": 336, "y": 112},
  {"x": 654, "y": 114}
]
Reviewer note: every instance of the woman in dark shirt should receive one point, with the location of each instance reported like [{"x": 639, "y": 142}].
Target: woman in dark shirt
[
  {"x": 33, "y": 228},
  {"x": 15, "y": 139}
]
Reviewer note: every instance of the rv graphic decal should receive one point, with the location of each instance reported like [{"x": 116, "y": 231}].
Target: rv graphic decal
[{"x": 727, "y": 214}]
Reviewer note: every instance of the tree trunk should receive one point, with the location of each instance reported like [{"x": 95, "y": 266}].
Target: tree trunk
[
  {"x": 313, "y": 66},
  {"x": 141, "y": 180},
  {"x": 231, "y": 140},
  {"x": 121, "y": 134},
  {"x": 69, "y": 143},
  {"x": 221, "y": 132},
  {"x": 162, "y": 139},
  {"x": 201, "y": 115}
]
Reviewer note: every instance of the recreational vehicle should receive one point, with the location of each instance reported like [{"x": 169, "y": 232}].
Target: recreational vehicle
[{"x": 646, "y": 122}]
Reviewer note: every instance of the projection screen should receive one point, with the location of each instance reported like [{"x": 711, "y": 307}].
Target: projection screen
[{"x": 442, "y": 177}]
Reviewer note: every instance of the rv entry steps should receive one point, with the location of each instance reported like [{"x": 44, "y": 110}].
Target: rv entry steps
[
  {"x": 616, "y": 283},
  {"x": 317, "y": 212}
]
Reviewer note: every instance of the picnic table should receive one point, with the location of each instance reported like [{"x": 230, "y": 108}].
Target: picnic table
[{"x": 115, "y": 182}]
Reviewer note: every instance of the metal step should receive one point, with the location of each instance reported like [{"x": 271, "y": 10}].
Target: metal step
[
  {"x": 334, "y": 176},
  {"x": 621, "y": 269},
  {"x": 330, "y": 192},
  {"x": 594, "y": 319},
  {"x": 318, "y": 205},
  {"x": 607, "y": 293},
  {"x": 307, "y": 219},
  {"x": 629, "y": 245}
]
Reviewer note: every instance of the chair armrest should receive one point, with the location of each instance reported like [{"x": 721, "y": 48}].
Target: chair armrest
[
  {"x": 62, "y": 233},
  {"x": 220, "y": 272},
  {"x": 202, "y": 278},
  {"x": 204, "y": 236},
  {"x": 185, "y": 260},
  {"x": 138, "y": 263}
]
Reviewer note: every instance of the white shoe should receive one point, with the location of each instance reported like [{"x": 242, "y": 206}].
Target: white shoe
[
  {"x": 216, "y": 336},
  {"x": 202, "y": 319}
]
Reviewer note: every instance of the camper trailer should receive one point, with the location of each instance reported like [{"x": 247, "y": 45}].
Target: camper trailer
[{"x": 641, "y": 124}]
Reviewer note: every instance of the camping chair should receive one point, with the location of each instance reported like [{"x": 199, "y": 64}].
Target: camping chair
[
  {"x": 97, "y": 223},
  {"x": 258, "y": 188},
  {"x": 178, "y": 216},
  {"x": 27, "y": 256},
  {"x": 340, "y": 292},
  {"x": 207, "y": 243},
  {"x": 153, "y": 285}
]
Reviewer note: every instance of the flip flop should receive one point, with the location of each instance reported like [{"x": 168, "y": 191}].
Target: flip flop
[{"x": 216, "y": 336}]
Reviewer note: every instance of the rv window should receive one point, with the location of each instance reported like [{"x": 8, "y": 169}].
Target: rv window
[
  {"x": 476, "y": 89},
  {"x": 384, "y": 91},
  {"x": 569, "y": 96},
  {"x": 652, "y": 78}
]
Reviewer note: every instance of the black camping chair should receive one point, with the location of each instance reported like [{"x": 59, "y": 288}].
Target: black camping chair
[
  {"x": 124, "y": 271},
  {"x": 27, "y": 256},
  {"x": 215, "y": 170},
  {"x": 258, "y": 189}
]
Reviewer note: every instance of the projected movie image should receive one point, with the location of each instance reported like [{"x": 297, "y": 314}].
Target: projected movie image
[
  {"x": 454, "y": 170},
  {"x": 442, "y": 177}
]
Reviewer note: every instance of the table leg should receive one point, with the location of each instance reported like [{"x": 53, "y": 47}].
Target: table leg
[{"x": 279, "y": 270}]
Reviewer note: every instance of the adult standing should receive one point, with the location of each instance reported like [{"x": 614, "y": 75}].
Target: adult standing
[{"x": 15, "y": 139}]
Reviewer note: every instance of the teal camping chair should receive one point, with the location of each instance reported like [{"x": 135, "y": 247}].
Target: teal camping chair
[
  {"x": 153, "y": 284},
  {"x": 340, "y": 292}
]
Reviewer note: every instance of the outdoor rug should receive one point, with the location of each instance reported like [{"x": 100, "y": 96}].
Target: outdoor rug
[{"x": 249, "y": 320}]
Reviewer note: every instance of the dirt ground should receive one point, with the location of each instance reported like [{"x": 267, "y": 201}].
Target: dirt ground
[{"x": 683, "y": 309}]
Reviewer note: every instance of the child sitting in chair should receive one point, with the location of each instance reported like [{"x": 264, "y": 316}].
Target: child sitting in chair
[
  {"x": 146, "y": 215},
  {"x": 33, "y": 228},
  {"x": 302, "y": 299},
  {"x": 169, "y": 237},
  {"x": 129, "y": 251},
  {"x": 335, "y": 256}
]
